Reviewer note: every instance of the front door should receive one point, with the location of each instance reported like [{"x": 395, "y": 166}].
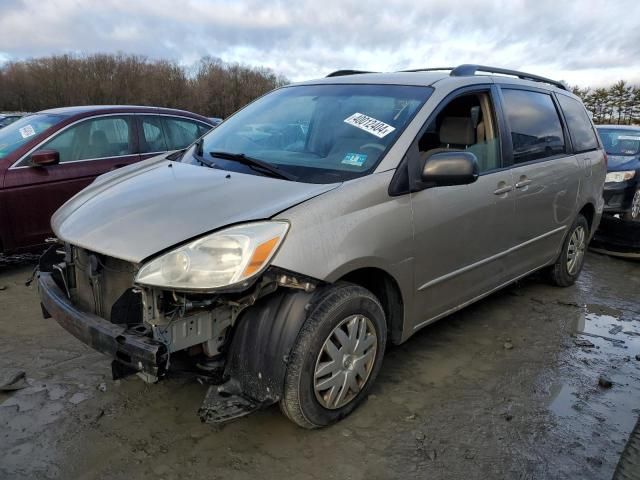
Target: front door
[
  {"x": 462, "y": 233},
  {"x": 87, "y": 149}
]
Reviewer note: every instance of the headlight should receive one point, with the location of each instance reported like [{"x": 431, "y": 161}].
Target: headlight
[
  {"x": 619, "y": 176},
  {"x": 221, "y": 259}
]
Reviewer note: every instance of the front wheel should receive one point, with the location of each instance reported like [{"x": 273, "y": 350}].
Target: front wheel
[
  {"x": 336, "y": 358},
  {"x": 569, "y": 264},
  {"x": 634, "y": 212}
]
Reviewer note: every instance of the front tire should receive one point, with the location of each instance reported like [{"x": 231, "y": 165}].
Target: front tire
[
  {"x": 569, "y": 264},
  {"x": 336, "y": 357},
  {"x": 633, "y": 215}
]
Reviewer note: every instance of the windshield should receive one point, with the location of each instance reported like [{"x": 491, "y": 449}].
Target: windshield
[
  {"x": 18, "y": 133},
  {"x": 315, "y": 133},
  {"x": 619, "y": 141}
]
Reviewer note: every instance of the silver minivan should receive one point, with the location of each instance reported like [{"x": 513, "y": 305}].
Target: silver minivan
[{"x": 278, "y": 256}]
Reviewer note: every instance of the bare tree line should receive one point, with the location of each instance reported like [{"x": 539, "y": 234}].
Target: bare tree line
[
  {"x": 618, "y": 104},
  {"x": 212, "y": 87}
]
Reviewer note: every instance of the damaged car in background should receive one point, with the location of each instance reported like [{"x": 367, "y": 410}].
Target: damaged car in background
[{"x": 277, "y": 256}]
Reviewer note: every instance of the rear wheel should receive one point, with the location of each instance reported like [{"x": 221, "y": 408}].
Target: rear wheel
[
  {"x": 336, "y": 358},
  {"x": 569, "y": 264}
]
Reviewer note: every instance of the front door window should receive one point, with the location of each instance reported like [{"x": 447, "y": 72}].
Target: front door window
[
  {"x": 466, "y": 123},
  {"x": 92, "y": 139}
]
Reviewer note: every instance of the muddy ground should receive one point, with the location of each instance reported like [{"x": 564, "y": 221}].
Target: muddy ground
[{"x": 499, "y": 390}]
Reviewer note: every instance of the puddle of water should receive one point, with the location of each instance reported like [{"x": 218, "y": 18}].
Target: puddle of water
[
  {"x": 609, "y": 331},
  {"x": 565, "y": 402},
  {"x": 616, "y": 341}
]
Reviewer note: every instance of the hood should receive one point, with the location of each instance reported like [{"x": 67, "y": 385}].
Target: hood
[
  {"x": 137, "y": 211},
  {"x": 617, "y": 163}
]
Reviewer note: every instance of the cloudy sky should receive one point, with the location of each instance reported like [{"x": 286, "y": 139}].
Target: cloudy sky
[{"x": 586, "y": 43}]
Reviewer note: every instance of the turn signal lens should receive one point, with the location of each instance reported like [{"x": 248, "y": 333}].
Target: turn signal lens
[{"x": 260, "y": 256}]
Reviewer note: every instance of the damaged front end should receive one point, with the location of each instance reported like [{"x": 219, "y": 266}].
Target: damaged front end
[{"x": 236, "y": 339}]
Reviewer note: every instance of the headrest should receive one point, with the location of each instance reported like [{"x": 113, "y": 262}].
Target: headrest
[
  {"x": 99, "y": 138},
  {"x": 457, "y": 131}
]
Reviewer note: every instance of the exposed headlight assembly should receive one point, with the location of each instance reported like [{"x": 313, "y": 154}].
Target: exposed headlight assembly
[
  {"x": 617, "y": 177},
  {"x": 221, "y": 259}
]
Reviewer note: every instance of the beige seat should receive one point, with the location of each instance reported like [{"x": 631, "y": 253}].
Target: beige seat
[{"x": 456, "y": 133}]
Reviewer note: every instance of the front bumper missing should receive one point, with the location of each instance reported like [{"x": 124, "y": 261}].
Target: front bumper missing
[{"x": 132, "y": 351}]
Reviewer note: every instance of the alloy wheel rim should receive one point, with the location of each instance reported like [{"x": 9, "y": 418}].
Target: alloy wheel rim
[
  {"x": 635, "y": 205},
  {"x": 575, "y": 250},
  {"x": 345, "y": 362}
]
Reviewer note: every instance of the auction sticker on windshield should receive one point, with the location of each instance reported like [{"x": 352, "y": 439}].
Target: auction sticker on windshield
[
  {"x": 370, "y": 125},
  {"x": 27, "y": 131}
]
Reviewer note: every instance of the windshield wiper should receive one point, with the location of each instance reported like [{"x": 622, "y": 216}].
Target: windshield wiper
[{"x": 256, "y": 164}]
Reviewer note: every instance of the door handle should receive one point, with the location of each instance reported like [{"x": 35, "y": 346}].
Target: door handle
[
  {"x": 503, "y": 190},
  {"x": 523, "y": 183}
]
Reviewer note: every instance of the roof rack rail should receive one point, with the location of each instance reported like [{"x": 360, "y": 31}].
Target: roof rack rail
[
  {"x": 432, "y": 69},
  {"x": 342, "y": 73},
  {"x": 467, "y": 70}
]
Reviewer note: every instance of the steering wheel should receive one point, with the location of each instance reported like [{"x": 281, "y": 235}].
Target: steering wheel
[{"x": 377, "y": 146}]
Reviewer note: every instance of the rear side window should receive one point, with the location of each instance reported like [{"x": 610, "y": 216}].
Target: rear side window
[
  {"x": 536, "y": 131},
  {"x": 181, "y": 133},
  {"x": 580, "y": 129},
  {"x": 152, "y": 137}
]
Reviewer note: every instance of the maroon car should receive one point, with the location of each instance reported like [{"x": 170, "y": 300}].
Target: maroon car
[{"x": 47, "y": 157}]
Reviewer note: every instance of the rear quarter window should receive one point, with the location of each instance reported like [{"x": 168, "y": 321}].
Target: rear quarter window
[
  {"x": 580, "y": 128},
  {"x": 536, "y": 131},
  {"x": 180, "y": 132}
]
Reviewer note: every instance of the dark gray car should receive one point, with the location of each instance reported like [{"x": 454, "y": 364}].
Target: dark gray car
[{"x": 276, "y": 257}]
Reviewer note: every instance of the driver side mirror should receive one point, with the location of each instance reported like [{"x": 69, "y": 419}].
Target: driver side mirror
[
  {"x": 44, "y": 158},
  {"x": 444, "y": 169}
]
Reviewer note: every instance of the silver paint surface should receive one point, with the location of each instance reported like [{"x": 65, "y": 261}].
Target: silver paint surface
[{"x": 156, "y": 205}]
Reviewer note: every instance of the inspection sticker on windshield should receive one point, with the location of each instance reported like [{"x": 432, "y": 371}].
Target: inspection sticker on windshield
[
  {"x": 27, "y": 131},
  {"x": 369, "y": 124},
  {"x": 355, "y": 159}
]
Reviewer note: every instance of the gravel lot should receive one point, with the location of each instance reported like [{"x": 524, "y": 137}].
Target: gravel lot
[{"x": 500, "y": 390}]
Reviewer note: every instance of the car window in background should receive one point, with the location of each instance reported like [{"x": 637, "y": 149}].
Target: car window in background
[
  {"x": 536, "y": 131},
  {"x": 152, "y": 137},
  {"x": 580, "y": 129},
  {"x": 96, "y": 138},
  {"x": 181, "y": 132},
  {"x": 318, "y": 133},
  {"x": 620, "y": 141},
  {"x": 8, "y": 120},
  {"x": 204, "y": 128},
  {"x": 21, "y": 131}
]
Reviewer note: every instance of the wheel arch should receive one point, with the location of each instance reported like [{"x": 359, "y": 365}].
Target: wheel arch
[
  {"x": 387, "y": 290},
  {"x": 588, "y": 211}
]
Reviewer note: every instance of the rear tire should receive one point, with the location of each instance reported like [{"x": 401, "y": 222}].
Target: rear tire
[
  {"x": 336, "y": 357},
  {"x": 569, "y": 264}
]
